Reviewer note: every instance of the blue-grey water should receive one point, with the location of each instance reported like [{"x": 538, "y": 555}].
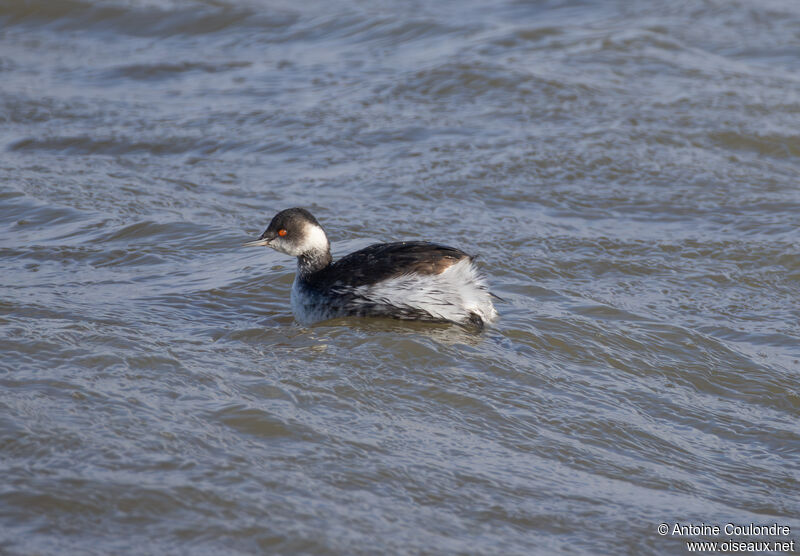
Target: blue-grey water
[{"x": 628, "y": 172}]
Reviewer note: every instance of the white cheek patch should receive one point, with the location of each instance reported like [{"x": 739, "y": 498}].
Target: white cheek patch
[
  {"x": 315, "y": 239},
  {"x": 288, "y": 247}
]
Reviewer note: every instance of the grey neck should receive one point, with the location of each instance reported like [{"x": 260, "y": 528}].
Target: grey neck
[{"x": 313, "y": 261}]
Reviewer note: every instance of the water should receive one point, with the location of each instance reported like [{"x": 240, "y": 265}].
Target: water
[{"x": 627, "y": 171}]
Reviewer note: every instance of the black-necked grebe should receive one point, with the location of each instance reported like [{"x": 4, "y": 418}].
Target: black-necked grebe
[{"x": 412, "y": 280}]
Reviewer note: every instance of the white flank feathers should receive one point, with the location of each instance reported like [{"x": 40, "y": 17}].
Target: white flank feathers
[{"x": 452, "y": 295}]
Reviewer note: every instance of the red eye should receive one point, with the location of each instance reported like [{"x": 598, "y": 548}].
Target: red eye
[{"x": 282, "y": 232}]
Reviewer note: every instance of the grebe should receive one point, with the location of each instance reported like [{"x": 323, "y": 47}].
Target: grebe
[{"x": 411, "y": 280}]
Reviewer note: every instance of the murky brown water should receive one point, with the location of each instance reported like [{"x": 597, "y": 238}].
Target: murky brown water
[{"x": 629, "y": 173}]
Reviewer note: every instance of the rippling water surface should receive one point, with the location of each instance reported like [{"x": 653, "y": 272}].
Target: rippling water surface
[{"x": 629, "y": 173}]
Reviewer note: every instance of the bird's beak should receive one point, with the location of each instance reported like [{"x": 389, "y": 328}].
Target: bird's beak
[
  {"x": 263, "y": 241},
  {"x": 257, "y": 243}
]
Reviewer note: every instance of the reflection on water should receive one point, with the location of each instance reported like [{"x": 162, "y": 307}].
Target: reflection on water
[{"x": 627, "y": 173}]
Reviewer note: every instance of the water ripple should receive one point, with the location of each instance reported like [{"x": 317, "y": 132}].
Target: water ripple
[{"x": 625, "y": 171}]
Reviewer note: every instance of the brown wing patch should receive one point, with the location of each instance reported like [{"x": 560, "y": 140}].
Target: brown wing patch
[
  {"x": 435, "y": 266},
  {"x": 387, "y": 260}
]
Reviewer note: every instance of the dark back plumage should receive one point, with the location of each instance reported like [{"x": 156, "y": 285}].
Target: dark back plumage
[{"x": 386, "y": 260}]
